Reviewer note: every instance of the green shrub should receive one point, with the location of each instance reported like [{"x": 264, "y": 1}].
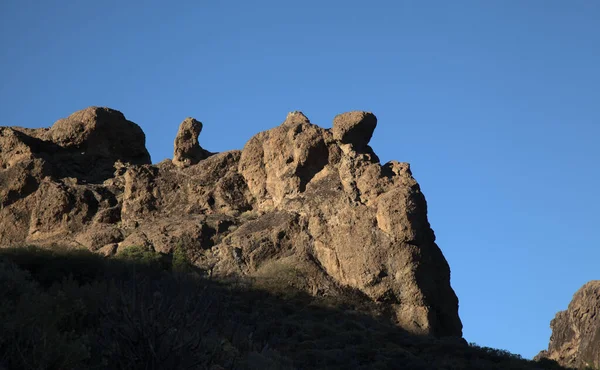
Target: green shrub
[
  {"x": 142, "y": 256},
  {"x": 180, "y": 261}
]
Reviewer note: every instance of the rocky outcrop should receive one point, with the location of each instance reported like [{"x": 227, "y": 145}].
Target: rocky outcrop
[
  {"x": 187, "y": 151},
  {"x": 298, "y": 200},
  {"x": 84, "y": 145},
  {"x": 575, "y": 340}
]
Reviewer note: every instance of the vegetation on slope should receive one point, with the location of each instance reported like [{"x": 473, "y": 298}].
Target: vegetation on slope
[{"x": 71, "y": 309}]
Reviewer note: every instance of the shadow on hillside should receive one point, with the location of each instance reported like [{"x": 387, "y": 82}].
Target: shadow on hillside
[{"x": 77, "y": 310}]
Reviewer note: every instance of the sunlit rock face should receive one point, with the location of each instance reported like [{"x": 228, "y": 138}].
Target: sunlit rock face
[
  {"x": 298, "y": 196},
  {"x": 575, "y": 340}
]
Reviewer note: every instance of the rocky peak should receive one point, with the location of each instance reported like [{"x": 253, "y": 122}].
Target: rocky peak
[
  {"x": 575, "y": 340},
  {"x": 100, "y": 132},
  {"x": 297, "y": 198},
  {"x": 187, "y": 150},
  {"x": 84, "y": 145},
  {"x": 295, "y": 117}
]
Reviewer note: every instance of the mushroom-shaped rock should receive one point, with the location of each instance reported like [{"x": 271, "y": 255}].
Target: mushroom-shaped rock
[
  {"x": 187, "y": 150},
  {"x": 101, "y": 132},
  {"x": 354, "y": 128}
]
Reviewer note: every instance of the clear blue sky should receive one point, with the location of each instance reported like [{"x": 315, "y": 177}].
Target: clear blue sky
[{"x": 494, "y": 103}]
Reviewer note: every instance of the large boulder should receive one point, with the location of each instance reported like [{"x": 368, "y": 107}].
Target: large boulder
[
  {"x": 354, "y": 128},
  {"x": 90, "y": 141},
  {"x": 299, "y": 204},
  {"x": 279, "y": 163},
  {"x": 575, "y": 340},
  {"x": 85, "y": 145},
  {"x": 102, "y": 132}
]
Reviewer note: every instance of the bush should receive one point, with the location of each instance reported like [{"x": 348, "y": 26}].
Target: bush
[
  {"x": 35, "y": 325},
  {"x": 53, "y": 264},
  {"x": 155, "y": 324},
  {"x": 495, "y": 352},
  {"x": 180, "y": 261},
  {"x": 141, "y": 255}
]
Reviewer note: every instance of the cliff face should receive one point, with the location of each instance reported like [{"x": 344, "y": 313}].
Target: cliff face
[
  {"x": 575, "y": 340},
  {"x": 297, "y": 198}
]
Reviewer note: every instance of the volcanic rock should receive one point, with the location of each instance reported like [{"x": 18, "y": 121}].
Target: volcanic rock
[
  {"x": 575, "y": 340},
  {"x": 97, "y": 138},
  {"x": 187, "y": 149},
  {"x": 84, "y": 145},
  {"x": 354, "y": 128},
  {"x": 297, "y": 201}
]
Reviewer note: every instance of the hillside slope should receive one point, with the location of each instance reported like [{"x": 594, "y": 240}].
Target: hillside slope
[{"x": 72, "y": 309}]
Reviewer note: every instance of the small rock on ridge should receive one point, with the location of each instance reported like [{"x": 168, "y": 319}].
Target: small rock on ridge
[
  {"x": 355, "y": 128},
  {"x": 187, "y": 150}
]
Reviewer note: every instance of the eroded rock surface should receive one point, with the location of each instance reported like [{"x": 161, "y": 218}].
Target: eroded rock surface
[
  {"x": 354, "y": 128},
  {"x": 575, "y": 340},
  {"x": 297, "y": 198},
  {"x": 187, "y": 149}
]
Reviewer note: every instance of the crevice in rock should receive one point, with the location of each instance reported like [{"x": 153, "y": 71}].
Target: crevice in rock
[{"x": 317, "y": 159}]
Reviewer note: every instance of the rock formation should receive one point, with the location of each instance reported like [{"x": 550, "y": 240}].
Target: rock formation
[
  {"x": 296, "y": 199},
  {"x": 187, "y": 150},
  {"x": 575, "y": 340}
]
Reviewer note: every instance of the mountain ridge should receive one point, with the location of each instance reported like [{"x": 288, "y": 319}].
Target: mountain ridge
[{"x": 297, "y": 196}]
